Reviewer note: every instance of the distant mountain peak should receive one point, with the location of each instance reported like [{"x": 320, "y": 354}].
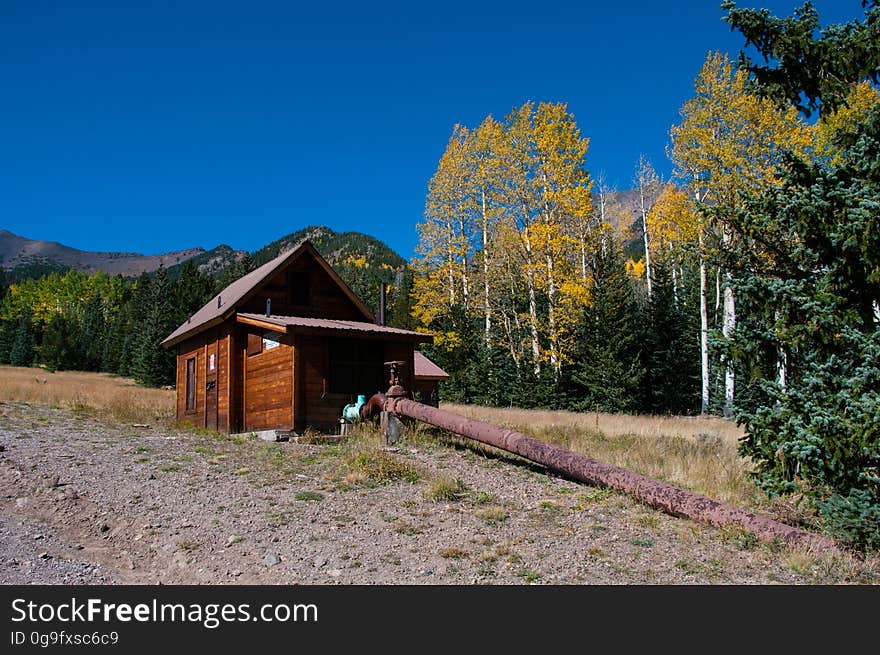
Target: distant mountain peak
[{"x": 18, "y": 252}]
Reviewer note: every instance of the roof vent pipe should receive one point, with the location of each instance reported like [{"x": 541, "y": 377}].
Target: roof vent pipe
[
  {"x": 380, "y": 318},
  {"x": 268, "y": 307}
]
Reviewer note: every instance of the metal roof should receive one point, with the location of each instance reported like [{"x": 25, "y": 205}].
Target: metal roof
[
  {"x": 425, "y": 369},
  {"x": 300, "y": 323}
]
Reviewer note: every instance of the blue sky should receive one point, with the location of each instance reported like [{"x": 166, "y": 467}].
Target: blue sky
[{"x": 157, "y": 126}]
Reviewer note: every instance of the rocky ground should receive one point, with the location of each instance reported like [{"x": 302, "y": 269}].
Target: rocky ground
[{"x": 84, "y": 500}]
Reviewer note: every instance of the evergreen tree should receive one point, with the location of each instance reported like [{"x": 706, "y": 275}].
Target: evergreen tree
[
  {"x": 92, "y": 334},
  {"x": 192, "y": 290},
  {"x": 22, "y": 351},
  {"x": 807, "y": 265},
  {"x": 607, "y": 370},
  {"x": 813, "y": 346},
  {"x": 153, "y": 365},
  {"x": 671, "y": 353},
  {"x": 61, "y": 348},
  {"x": 7, "y": 327},
  {"x": 802, "y": 65},
  {"x": 7, "y": 337}
]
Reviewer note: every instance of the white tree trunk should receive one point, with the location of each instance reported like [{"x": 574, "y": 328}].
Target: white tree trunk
[
  {"x": 551, "y": 316},
  {"x": 533, "y": 304},
  {"x": 704, "y": 332},
  {"x": 465, "y": 285},
  {"x": 487, "y": 309},
  {"x": 781, "y": 367},
  {"x": 674, "y": 279},
  {"x": 727, "y": 329},
  {"x": 647, "y": 181},
  {"x": 647, "y": 253},
  {"x": 551, "y": 284},
  {"x": 781, "y": 361}
]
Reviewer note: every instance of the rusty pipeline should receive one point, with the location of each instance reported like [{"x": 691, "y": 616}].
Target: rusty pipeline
[
  {"x": 373, "y": 406},
  {"x": 659, "y": 495}
]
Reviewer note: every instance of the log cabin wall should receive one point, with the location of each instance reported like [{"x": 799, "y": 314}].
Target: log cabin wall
[
  {"x": 237, "y": 357},
  {"x": 268, "y": 382},
  {"x": 224, "y": 376}
]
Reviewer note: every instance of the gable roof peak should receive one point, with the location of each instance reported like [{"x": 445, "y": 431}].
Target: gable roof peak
[{"x": 221, "y": 306}]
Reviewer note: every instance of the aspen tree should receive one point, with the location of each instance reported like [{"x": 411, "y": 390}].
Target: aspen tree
[{"x": 728, "y": 143}]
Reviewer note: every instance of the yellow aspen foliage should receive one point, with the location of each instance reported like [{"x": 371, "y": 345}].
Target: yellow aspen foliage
[
  {"x": 729, "y": 140},
  {"x": 359, "y": 261},
  {"x": 635, "y": 268},
  {"x": 673, "y": 220},
  {"x": 833, "y": 127}
]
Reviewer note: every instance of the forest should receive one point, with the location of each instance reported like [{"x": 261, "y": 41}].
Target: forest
[
  {"x": 754, "y": 291},
  {"x": 746, "y": 285}
]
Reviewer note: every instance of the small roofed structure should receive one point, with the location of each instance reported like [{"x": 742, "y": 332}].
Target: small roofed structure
[
  {"x": 427, "y": 379},
  {"x": 283, "y": 348}
]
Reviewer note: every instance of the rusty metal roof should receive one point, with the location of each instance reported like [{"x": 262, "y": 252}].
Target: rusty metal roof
[
  {"x": 221, "y": 306},
  {"x": 425, "y": 369},
  {"x": 301, "y": 323}
]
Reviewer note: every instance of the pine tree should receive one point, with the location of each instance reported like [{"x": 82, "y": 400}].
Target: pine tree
[
  {"x": 192, "y": 290},
  {"x": 672, "y": 373},
  {"x": 22, "y": 351},
  {"x": 92, "y": 333},
  {"x": 152, "y": 364},
  {"x": 807, "y": 266},
  {"x": 607, "y": 369},
  {"x": 61, "y": 349},
  {"x": 7, "y": 338}
]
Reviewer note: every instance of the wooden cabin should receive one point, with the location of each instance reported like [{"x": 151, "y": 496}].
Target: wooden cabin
[{"x": 284, "y": 347}]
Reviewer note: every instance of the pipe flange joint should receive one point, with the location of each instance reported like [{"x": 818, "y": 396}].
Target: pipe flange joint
[{"x": 395, "y": 391}]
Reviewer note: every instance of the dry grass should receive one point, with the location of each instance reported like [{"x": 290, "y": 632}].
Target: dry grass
[
  {"x": 697, "y": 453},
  {"x": 97, "y": 393},
  {"x": 445, "y": 488},
  {"x": 611, "y": 425}
]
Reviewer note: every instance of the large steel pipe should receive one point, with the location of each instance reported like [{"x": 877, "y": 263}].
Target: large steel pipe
[{"x": 660, "y": 495}]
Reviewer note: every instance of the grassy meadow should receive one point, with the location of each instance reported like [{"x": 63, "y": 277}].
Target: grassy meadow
[
  {"x": 99, "y": 393},
  {"x": 696, "y": 453}
]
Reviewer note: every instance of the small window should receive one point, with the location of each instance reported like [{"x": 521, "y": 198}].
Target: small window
[
  {"x": 254, "y": 344},
  {"x": 190, "y": 384},
  {"x": 271, "y": 340},
  {"x": 298, "y": 288},
  {"x": 355, "y": 366}
]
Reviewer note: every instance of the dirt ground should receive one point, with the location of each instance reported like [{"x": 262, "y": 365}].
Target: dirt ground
[{"x": 86, "y": 500}]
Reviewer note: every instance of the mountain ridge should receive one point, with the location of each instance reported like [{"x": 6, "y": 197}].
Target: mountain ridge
[{"x": 21, "y": 252}]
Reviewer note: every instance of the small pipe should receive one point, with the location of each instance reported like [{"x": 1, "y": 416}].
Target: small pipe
[{"x": 659, "y": 495}]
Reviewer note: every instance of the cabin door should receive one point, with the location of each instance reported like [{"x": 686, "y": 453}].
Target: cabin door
[{"x": 211, "y": 387}]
